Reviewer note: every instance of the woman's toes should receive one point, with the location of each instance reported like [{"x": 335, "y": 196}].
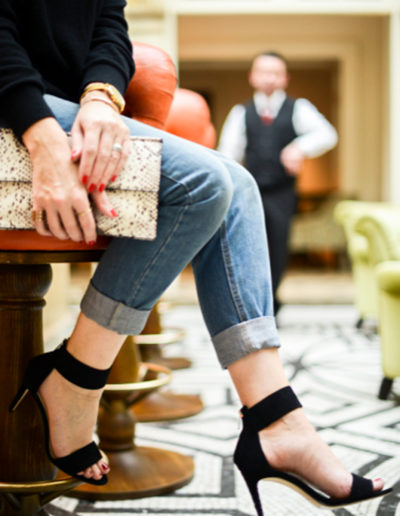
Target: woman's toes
[
  {"x": 104, "y": 468},
  {"x": 97, "y": 474},
  {"x": 378, "y": 484},
  {"x": 88, "y": 473}
]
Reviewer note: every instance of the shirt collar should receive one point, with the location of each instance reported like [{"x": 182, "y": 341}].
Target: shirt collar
[{"x": 273, "y": 103}]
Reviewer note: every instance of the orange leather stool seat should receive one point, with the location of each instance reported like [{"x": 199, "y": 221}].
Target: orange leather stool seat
[
  {"x": 148, "y": 99},
  {"x": 189, "y": 118}
]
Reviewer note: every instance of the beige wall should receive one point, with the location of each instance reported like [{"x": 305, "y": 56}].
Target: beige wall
[{"x": 356, "y": 43}]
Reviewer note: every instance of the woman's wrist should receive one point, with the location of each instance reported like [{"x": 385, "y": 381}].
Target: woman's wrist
[
  {"x": 44, "y": 131},
  {"x": 94, "y": 98},
  {"x": 109, "y": 90}
]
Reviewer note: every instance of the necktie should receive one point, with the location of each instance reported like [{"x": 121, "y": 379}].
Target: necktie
[{"x": 267, "y": 116}]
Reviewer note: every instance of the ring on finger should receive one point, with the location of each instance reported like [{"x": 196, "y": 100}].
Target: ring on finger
[
  {"x": 85, "y": 212},
  {"x": 117, "y": 147},
  {"x": 37, "y": 215}
]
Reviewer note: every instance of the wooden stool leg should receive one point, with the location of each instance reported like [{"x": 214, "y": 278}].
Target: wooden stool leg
[
  {"x": 136, "y": 471},
  {"x": 25, "y": 471},
  {"x": 163, "y": 405},
  {"x": 152, "y": 352}
]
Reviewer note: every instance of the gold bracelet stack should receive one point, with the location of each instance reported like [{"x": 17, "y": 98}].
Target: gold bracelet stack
[{"x": 115, "y": 96}]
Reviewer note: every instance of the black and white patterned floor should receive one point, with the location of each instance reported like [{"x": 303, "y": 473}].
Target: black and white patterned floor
[{"x": 334, "y": 368}]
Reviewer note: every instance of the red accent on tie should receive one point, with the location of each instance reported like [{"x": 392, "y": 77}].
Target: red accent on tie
[{"x": 267, "y": 119}]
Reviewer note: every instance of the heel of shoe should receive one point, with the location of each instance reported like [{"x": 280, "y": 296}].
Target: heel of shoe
[
  {"x": 18, "y": 398},
  {"x": 255, "y": 495},
  {"x": 39, "y": 367}
]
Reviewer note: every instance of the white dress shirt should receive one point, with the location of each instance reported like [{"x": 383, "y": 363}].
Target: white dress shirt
[{"x": 315, "y": 134}]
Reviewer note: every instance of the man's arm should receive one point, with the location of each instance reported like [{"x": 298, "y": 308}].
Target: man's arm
[
  {"x": 233, "y": 140},
  {"x": 315, "y": 134}
]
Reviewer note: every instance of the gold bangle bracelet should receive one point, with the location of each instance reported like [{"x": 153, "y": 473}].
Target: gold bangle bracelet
[
  {"x": 112, "y": 92},
  {"x": 100, "y": 99}
]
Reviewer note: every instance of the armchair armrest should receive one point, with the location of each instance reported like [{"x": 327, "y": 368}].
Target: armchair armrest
[{"x": 382, "y": 230}]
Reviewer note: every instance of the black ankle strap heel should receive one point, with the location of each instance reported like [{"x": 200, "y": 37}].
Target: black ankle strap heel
[
  {"x": 79, "y": 374},
  {"x": 254, "y": 466}
]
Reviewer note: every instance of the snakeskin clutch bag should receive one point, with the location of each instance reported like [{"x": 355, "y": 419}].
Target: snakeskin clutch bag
[{"x": 134, "y": 194}]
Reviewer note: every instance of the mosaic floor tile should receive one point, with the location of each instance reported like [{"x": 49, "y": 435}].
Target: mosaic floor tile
[{"x": 334, "y": 368}]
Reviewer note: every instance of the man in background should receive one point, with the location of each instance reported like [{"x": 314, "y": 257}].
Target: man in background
[{"x": 271, "y": 135}]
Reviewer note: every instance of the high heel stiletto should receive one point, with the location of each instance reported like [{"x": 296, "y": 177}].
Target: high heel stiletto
[
  {"x": 79, "y": 374},
  {"x": 254, "y": 466}
]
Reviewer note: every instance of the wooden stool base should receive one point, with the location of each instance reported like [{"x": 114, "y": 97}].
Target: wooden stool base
[
  {"x": 31, "y": 498},
  {"x": 140, "y": 473},
  {"x": 166, "y": 406},
  {"x": 173, "y": 363}
]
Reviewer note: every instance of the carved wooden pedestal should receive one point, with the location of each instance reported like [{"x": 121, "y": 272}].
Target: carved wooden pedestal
[{"x": 26, "y": 475}]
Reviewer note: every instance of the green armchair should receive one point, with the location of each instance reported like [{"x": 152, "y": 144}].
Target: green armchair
[
  {"x": 382, "y": 230},
  {"x": 347, "y": 213}
]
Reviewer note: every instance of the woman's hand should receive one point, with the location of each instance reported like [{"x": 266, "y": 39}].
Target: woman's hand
[
  {"x": 100, "y": 141},
  {"x": 57, "y": 192}
]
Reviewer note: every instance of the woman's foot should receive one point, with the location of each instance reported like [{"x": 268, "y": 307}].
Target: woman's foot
[
  {"x": 292, "y": 445},
  {"x": 72, "y": 414}
]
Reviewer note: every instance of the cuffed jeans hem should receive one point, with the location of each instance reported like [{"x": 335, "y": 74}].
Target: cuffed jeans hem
[
  {"x": 244, "y": 338},
  {"x": 112, "y": 314}
]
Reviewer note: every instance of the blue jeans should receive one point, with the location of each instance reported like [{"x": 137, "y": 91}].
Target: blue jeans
[{"x": 210, "y": 214}]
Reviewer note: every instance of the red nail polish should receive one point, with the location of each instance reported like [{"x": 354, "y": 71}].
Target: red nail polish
[
  {"x": 102, "y": 187},
  {"x": 74, "y": 154},
  {"x": 92, "y": 242},
  {"x": 85, "y": 179},
  {"x": 114, "y": 213},
  {"x": 92, "y": 188},
  {"x": 113, "y": 178}
]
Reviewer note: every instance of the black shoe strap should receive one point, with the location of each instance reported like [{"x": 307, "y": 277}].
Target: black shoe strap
[
  {"x": 270, "y": 409},
  {"x": 77, "y": 372}
]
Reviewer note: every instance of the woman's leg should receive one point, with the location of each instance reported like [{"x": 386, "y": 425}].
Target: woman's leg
[
  {"x": 234, "y": 286},
  {"x": 230, "y": 260},
  {"x": 72, "y": 410},
  {"x": 195, "y": 194},
  {"x": 291, "y": 444}
]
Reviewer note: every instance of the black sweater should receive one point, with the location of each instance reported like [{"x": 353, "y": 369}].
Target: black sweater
[{"x": 57, "y": 47}]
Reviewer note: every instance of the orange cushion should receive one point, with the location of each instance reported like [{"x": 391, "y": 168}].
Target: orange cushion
[
  {"x": 189, "y": 118},
  {"x": 150, "y": 92}
]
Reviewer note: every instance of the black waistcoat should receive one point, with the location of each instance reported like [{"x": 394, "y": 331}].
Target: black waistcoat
[{"x": 265, "y": 142}]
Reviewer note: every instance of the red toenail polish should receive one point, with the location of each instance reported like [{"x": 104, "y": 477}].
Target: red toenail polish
[
  {"x": 92, "y": 188},
  {"x": 102, "y": 187},
  {"x": 92, "y": 242}
]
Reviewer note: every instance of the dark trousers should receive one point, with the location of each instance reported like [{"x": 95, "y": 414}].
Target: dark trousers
[{"x": 279, "y": 207}]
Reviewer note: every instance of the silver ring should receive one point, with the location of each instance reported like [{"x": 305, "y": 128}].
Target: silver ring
[{"x": 117, "y": 147}]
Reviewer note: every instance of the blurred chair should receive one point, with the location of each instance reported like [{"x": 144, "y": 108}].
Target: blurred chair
[
  {"x": 381, "y": 229},
  {"x": 347, "y": 213}
]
